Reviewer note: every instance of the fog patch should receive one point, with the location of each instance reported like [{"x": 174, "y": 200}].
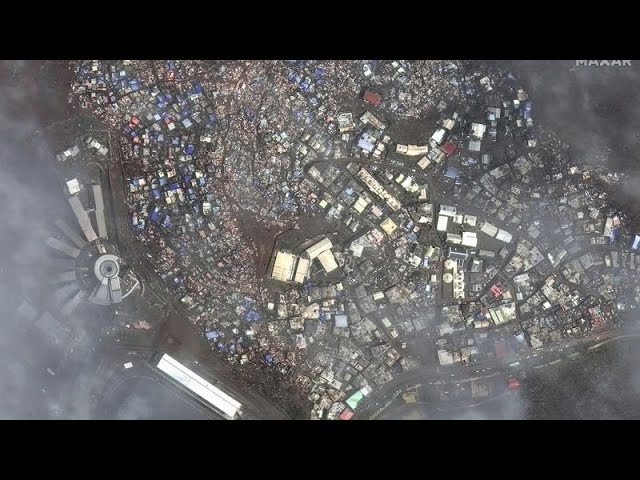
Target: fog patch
[
  {"x": 32, "y": 197},
  {"x": 135, "y": 408}
]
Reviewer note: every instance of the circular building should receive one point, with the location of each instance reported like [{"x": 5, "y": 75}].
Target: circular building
[{"x": 89, "y": 265}]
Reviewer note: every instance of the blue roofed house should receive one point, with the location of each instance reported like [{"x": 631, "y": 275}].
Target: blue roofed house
[
  {"x": 365, "y": 143},
  {"x": 452, "y": 172}
]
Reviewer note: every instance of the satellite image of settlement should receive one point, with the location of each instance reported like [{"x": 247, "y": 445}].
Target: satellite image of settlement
[{"x": 338, "y": 240}]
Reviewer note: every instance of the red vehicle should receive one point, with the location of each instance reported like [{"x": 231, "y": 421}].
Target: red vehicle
[{"x": 513, "y": 383}]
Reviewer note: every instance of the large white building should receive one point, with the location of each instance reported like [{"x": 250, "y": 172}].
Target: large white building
[
  {"x": 288, "y": 267},
  {"x": 322, "y": 246},
  {"x": 284, "y": 267},
  {"x": 328, "y": 261},
  {"x": 504, "y": 236},
  {"x": 302, "y": 270},
  {"x": 442, "y": 223},
  {"x": 469, "y": 239},
  {"x": 489, "y": 229},
  {"x": 198, "y": 385},
  {"x": 321, "y": 251}
]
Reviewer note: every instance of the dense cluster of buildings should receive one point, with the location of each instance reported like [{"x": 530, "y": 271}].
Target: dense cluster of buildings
[{"x": 478, "y": 242}]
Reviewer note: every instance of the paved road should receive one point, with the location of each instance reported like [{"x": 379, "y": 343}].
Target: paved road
[{"x": 377, "y": 400}]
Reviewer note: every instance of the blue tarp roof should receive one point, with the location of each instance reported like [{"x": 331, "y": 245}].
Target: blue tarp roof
[
  {"x": 365, "y": 144},
  {"x": 452, "y": 172},
  {"x": 615, "y": 234}
]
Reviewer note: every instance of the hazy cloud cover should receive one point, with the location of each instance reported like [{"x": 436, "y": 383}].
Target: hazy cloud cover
[
  {"x": 594, "y": 109},
  {"x": 134, "y": 408},
  {"x": 31, "y": 197}
]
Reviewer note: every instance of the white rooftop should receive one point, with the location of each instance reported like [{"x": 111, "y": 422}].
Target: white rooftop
[{"x": 74, "y": 186}]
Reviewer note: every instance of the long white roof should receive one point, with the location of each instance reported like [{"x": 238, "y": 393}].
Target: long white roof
[
  {"x": 489, "y": 229},
  {"x": 322, "y": 246},
  {"x": 198, "y": 385},
  {"x": 504, "y": 236}
]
